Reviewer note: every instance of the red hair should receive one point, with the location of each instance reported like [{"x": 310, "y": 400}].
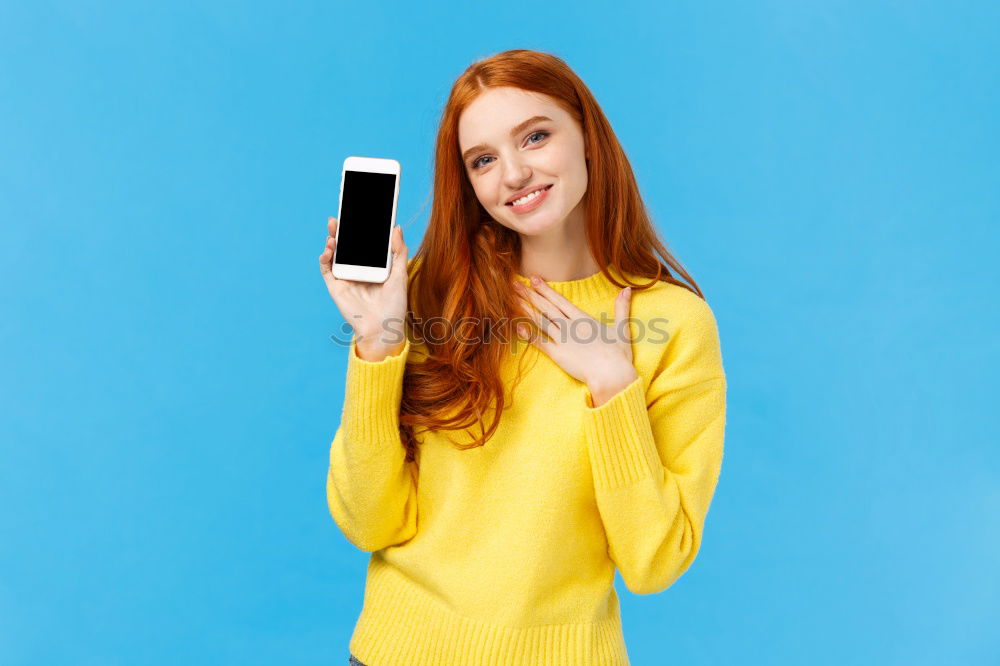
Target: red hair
[{"x": 464, "y": 269}]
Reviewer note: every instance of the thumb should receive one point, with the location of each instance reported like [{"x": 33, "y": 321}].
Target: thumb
[{"x": 399, "y": 249}]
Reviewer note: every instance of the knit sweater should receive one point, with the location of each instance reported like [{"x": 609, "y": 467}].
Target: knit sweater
[{"x": 506, "y": 553}]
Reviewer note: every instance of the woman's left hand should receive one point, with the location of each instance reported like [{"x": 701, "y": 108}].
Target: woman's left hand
[{"x": 591, "y": 351}]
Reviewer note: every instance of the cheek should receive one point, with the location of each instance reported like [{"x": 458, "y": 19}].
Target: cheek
[
  {"x": 584, "y": 178},
  {"x": 567, "y": 161},
  {"x": 580, "y": 160},
  {"x": 485, "y": 191},
  {"x": 573, "y": 169}
]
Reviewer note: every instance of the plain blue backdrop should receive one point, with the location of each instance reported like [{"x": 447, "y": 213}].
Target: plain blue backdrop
[{"x": 828, "y": 172}]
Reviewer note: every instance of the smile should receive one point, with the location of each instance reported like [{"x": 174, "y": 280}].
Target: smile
[{"x": 531, "y": 201}]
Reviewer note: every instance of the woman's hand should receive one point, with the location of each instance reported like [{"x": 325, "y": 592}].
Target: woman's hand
[
  {"x": 375, "y": 311},
  {"x": 594, "y": 353}
]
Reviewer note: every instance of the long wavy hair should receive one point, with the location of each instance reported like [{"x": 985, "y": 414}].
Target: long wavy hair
[{"x": 462, "y": 275}]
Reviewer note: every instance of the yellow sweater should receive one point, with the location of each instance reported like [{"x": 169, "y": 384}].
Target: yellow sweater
[{"x": 506, "y": 553}]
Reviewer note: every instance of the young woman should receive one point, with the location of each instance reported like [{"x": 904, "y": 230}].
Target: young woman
[{"x": 600, "y": 426}]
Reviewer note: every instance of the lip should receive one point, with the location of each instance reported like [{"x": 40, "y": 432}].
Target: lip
[
  {"x": 527, "y": 190},
  {"x": 534, "y": 203}
]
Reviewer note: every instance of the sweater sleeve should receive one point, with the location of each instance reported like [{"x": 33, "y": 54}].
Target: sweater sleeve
[
  {"x": 656, "y": 454},
  {"x": 370, "y": 489}
]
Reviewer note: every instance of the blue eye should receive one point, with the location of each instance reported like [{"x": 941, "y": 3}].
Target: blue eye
[{"x": 543, "y": 133}]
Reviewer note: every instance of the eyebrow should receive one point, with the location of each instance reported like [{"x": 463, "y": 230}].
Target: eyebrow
[{"x": 514, "y": 131}]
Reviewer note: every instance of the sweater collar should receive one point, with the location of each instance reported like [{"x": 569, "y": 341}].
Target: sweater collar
[{"x": 591, "y": 288}]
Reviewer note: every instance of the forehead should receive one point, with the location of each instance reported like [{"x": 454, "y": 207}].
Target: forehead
[{"x": 491, "y": 115}]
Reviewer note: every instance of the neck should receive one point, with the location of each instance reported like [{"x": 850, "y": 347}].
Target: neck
[{"x": 561, "y": 253}]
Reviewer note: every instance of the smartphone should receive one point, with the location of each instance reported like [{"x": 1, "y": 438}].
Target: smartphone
[{"x": 369, "y": 190}]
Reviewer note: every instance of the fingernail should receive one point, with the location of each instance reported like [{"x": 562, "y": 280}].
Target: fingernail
[{"x": 535, "y": 281}]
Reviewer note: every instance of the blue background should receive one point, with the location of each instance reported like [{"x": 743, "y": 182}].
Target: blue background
[{"x": 828, "y": 172}]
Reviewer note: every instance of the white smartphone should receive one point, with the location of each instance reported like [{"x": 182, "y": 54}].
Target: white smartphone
[{"x": 369, "y": 190}]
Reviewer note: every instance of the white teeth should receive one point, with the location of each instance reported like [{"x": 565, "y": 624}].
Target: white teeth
[{"x": 529, "y": 197}]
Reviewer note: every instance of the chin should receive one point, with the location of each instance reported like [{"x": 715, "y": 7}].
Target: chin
[{"x": 534, "y": 226}]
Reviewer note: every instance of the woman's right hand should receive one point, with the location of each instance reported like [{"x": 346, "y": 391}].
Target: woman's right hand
[{"x": 374, "y": 310}]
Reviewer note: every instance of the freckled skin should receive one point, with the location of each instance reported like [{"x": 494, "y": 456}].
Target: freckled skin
[{"x": 552, "y": 235}]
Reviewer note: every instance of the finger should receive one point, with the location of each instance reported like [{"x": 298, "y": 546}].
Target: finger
[
  {"x": 547, "y": 307},
  {"x": 331, "y": 241},
  {"x": 326, "y": 262},
  {"x": 401, "y": 252},
  {"x": 623, "y": 305},
  {"x": 563, "y": 304},
  {"x": 326, "y": 258},
  {"x": 543, "y": 323},
  {"x": 538, "y": 341}
]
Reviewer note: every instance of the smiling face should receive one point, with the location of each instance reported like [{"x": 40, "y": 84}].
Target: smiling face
[{"x": 508, "y": 150}]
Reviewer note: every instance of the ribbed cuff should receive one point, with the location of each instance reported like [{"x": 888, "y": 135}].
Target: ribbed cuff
[
  {"x": 373, "y": 394},
  {"x": 620, "y": 439}
]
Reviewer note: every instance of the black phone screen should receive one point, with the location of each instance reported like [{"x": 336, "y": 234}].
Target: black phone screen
[{"x": 365, "y": 216}]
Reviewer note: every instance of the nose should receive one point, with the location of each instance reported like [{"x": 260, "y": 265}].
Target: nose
[{"x": 515, "y": 172}]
